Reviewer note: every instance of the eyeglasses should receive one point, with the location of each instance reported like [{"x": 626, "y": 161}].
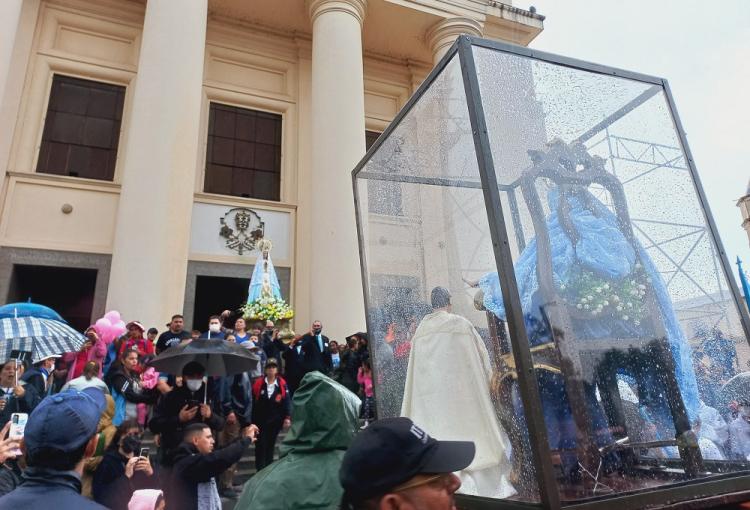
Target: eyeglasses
[{"x": 421, "y": 480}]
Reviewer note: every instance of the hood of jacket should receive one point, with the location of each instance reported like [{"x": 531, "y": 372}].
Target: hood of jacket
[
  {"x": 324, "y": 416},
  {"x": 182, "y": 451},
  {"x": 144, "y": 499}
]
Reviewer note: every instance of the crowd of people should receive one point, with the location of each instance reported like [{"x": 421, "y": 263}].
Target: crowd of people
[{"x": 202, "y": 425}]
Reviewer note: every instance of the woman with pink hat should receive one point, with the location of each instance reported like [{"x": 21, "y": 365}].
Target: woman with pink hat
[
  {"x": 134, "y": 341},
  {"x": 93, "y": 349}
]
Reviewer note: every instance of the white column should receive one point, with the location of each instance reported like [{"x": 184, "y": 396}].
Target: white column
[
  {"x": 445, "y": 32},
  {"x": 159, "y": 161},
  {"x": 338, "y": 143},
  {"x": 10, "y": 14},
  {"x": 17, "y": 23}
]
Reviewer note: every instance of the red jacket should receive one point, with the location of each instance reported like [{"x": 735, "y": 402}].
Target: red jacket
[
  {"x": 258, "y": 384},
  {"x": 265, "y": 410},
  {"x": 142, "y": 345}
]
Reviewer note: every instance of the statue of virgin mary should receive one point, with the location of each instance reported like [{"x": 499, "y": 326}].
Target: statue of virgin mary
[{"x": 264, "y": 282}]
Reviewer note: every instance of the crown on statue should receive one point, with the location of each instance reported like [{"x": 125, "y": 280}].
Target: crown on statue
[{"x": 264, "y": 245}]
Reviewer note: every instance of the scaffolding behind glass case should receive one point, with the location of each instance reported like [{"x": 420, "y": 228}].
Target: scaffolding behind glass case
[{"x": 543, "y": 276}]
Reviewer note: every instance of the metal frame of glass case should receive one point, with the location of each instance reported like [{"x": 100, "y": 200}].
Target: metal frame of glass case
[{"x": 528, "y": 388}]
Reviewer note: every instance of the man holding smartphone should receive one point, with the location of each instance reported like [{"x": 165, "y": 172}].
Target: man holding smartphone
[
  {"x": 190, "y": 403},
  {"x": 196, "y": 466},
  {"x": 59, "y": 436}
]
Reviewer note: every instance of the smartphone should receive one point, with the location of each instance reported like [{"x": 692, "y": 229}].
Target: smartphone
[
  {"x": 144, "y": 453},
  {"x": 17, "y": 427}
]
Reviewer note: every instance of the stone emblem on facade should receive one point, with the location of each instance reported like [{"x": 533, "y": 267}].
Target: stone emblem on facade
[{"x": 241, "y": 228}]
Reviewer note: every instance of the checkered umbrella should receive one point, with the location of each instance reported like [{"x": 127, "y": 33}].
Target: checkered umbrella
[{"x": 42, "y": 337}]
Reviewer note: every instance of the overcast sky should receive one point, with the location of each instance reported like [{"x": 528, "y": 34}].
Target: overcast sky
[{"x": 703, "y": 49}]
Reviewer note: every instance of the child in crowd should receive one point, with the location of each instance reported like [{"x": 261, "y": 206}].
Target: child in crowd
[
  {"x": 364, "y": 378},
  {"x": 147, "y": 499}
]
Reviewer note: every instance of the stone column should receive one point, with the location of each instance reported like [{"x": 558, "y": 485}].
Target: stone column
[
  {"x": 338, "y": 143},
  {"x": 17, "y": 27},
  {"x": 10, "y": 14},
  {"x": 445, "y": 32},
  {"x": 159, "y": 161}
]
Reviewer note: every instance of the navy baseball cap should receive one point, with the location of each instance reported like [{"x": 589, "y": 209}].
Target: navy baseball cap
[
  {"x": 65, "y": 421},
  {"x": 391, "y": 451}
]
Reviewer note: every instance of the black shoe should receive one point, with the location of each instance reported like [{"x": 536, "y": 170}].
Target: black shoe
[{"x": 229, "y": 493}]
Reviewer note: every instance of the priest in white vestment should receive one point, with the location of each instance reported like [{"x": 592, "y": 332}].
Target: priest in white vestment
[{"x": 447, "y": 392}]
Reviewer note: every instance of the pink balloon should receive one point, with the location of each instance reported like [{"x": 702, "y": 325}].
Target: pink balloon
[
  {"x": 120, "y": 325},
  {"x": 112, "y": 316},
  {"x": 102, "y": 325}
]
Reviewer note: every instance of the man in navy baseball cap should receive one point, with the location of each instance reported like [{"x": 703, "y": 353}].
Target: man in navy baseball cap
[
  {"x": 394, "y": 464},
  {"x": 60, "y": 434}
]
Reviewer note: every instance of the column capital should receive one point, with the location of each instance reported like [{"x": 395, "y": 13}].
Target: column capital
[
  {"x": 445, "y": 32},
  {"x": 356, "y": 8}
]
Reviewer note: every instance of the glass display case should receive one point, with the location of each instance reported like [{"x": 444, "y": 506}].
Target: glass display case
[{"x": 543, "y": 277}]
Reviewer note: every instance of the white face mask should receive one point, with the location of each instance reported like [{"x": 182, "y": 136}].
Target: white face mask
[
  {"x": 194, "y": 384},
  {"x": 214, "y": 328}
]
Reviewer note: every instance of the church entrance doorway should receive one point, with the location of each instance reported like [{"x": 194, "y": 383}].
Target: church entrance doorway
[{"x": 69, "y": 291}]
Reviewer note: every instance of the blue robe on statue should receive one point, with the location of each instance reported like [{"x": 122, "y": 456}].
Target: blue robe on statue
[
  {"x": 256, "y": 281},
  {"x": 603, "y": 249}
]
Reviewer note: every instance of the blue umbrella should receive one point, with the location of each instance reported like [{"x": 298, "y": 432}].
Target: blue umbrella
[
  {"x": 12, "y": 310},
  {"x": 41, "y": 337}
]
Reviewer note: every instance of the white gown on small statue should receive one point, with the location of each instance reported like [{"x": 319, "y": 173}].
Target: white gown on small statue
[{"x": 447, "y": 394}]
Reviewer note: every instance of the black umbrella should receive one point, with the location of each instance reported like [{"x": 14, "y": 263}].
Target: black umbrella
[
  {"x": 218, "y": 357},
  {"x": 360, "y": 334}
]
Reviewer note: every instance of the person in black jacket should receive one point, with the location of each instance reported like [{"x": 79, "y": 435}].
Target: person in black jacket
[
  {"x": 15, "y": 397},
  {"x": 120, "y": 473},
  {"x": 40, "y": 376},
  {"x": 315, "y": 353},
  {"x": 293, "y": 369},
  {"x": 270, "y": 342},
  {"x": 184, "y": 406},
  {"x": 195, "y": 467},
  {"x": 350, "y": 363},
  {"x": 236, "y": 405},
  {"x": 124, "y": 383},
  {"x": 272, "y": 410}
]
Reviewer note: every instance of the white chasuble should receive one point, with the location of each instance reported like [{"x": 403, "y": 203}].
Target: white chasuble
[{"x": 447, "y": 394}]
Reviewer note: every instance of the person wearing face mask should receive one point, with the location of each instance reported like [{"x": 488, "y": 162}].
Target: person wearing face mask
[
  {"x": 40, "y": 376},
  {"x": 315, "y": 352},
  {"x": 183, "y": 406},
  {"x": 214, "y": 329},
  {"x": 121, "y": 472}
]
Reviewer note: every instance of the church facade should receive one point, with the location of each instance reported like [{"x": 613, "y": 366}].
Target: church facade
[{"x": 146, "y": 147}]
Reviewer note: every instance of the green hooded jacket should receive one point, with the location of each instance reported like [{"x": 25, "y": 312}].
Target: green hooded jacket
[{"x": 324, "y": 422}]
